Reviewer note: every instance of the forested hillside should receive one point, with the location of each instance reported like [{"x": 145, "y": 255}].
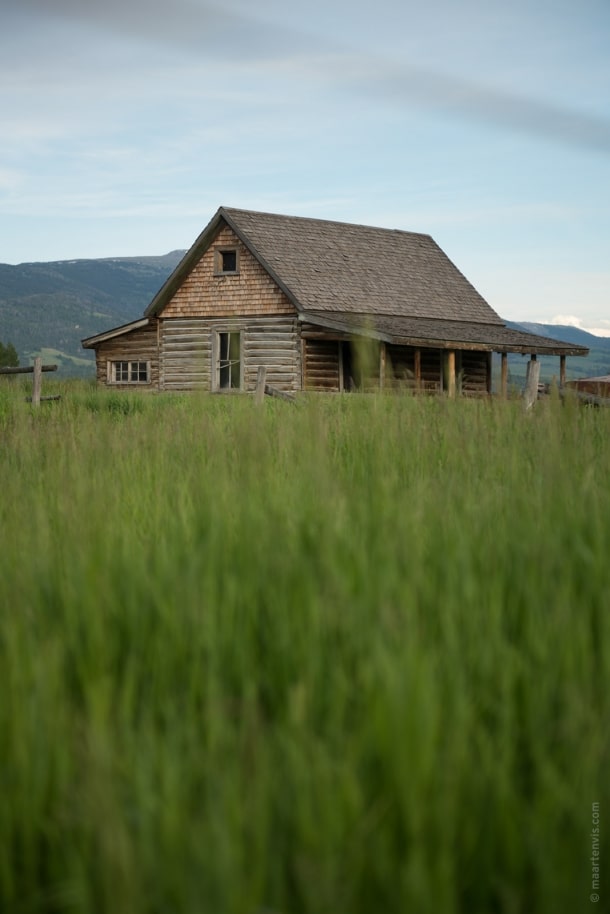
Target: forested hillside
[{"x": 48, "y": 308}]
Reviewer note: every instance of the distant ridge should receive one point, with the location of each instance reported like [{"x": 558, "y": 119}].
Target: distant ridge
[
  {"x": 53, "y": 305},
  {"x": 596, "y": 363},
  {"x": 173, "y": 257},
  {"x": 564, "y": 332}
]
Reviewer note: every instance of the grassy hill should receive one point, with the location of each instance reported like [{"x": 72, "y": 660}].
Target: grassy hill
[{"x": 48, "y": 308}]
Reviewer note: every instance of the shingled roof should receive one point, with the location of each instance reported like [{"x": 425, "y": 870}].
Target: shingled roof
[
  {"x": 396, "y": 285},
  {"x": 336, "y": 266}
]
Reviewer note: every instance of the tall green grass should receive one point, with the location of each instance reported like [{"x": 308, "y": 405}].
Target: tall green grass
[{"x": 346, "y": 656}]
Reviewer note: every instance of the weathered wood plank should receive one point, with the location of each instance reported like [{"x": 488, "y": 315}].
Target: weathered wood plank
[
  {"x": 451, "y": 373},
  {"x": 36, "y": 388},
  {"x": 27, "y": 369},
  {"x": 532, "y": 377},
  {"x": 280, "y": 394},
  {"x": 259, "y": 394}
]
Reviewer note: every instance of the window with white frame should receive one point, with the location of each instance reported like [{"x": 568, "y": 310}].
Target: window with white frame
[
  {"x": 229, "y": 360},
  {"x": 128, "y": 372}
]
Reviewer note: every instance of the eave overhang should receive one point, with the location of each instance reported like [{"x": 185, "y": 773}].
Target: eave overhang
[
  {"x": 428, "y": 333},
  {"x": 92, "y": 341}
]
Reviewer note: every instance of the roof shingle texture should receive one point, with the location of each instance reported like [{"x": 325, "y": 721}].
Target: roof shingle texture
[
  {"x": 408, "y": 330},
  {"x": 339, "y": 267}
]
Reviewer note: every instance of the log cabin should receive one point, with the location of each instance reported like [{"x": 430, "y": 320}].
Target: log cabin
[{"x": 322, "y": 306}]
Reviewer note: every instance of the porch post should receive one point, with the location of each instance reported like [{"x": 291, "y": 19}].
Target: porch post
[
  {"x": 504, "y": 376},
  {"x": 451, "y": 373},
  {"x": 562, "y": 370},
  {"x": 417, "y": 369},
  {"x": 382, "y": 361},
  {"x": 530, "y": 393}
]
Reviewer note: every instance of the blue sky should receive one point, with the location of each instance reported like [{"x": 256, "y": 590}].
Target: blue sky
[{"x": 484, "y": 123}]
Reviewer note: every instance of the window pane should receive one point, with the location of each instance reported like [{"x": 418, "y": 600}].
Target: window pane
[
  {"x": 234, "y": 347},
  {"x": 225, "y": 376},
  {"x": 121, "y": 371},
  {"x": 229, "y": 261},
  {"x": 234, "y": 357},
  {"x": 223, "y": 347}
]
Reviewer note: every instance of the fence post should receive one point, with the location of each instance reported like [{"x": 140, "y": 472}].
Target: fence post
[
  {"x": 530, "y": 394},
  {"x": 259, "y": 394},
  {"x": 36, "y": 389}
]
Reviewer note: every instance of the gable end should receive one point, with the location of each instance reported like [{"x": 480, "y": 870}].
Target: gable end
[{"x": 226, "y": 280}]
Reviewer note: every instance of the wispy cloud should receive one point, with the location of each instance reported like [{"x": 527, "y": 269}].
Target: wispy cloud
[
  {"x": 488, "y": 104},
  {"x": 217, "y": 29},
  {"x": 200, "y": 27},
  {"x": 602, "y": 328}
]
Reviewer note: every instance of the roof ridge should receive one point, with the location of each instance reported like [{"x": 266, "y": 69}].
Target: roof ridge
[{"x": 318, "y": 220}]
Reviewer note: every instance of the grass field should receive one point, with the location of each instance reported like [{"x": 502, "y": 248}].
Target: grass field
[{"x": 347, "y": 656}]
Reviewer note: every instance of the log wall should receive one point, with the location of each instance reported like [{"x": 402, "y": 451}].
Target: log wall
[
  {"x": 400, "y": 367},
  {"x": 187, "y": 351},
  {"x": 138, "y": 345},
  {"x": 273, "y": 342},
  {"x": 431, "y": 370},
  {"x": 474, "y": 372},
  {"x": 185, "y": 357},
  {"x": 322, "y": 365}
]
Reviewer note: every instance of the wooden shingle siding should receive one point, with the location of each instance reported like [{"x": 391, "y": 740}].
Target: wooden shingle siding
[
  {"x": 322, "y": 365},
  {"x": 249, "y": 291},
  {"x": 139, "y": 345}
]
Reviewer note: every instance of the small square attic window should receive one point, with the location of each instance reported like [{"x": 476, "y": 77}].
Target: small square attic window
[{"x": 226, "y": 260}]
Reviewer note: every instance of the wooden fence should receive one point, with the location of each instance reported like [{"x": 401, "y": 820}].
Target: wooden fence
[
  {"x": 36, "y": 369},
  {"x": 263, "y": 388}
]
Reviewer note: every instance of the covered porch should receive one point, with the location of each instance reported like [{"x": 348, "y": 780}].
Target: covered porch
[{"x": 362, "y": 352}]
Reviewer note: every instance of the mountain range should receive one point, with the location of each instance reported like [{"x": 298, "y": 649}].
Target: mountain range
[
  {"x": 48, "y": 308},
  {"x": 594, "y": 365}
]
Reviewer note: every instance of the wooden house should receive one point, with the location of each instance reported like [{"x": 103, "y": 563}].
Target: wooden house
[{"x": 323, "y": 306}]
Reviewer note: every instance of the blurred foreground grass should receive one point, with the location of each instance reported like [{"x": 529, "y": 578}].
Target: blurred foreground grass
[{"x": 348, "y": 656}]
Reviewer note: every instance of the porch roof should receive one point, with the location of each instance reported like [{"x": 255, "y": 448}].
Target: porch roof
[{"x": 439, "y": 334}]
